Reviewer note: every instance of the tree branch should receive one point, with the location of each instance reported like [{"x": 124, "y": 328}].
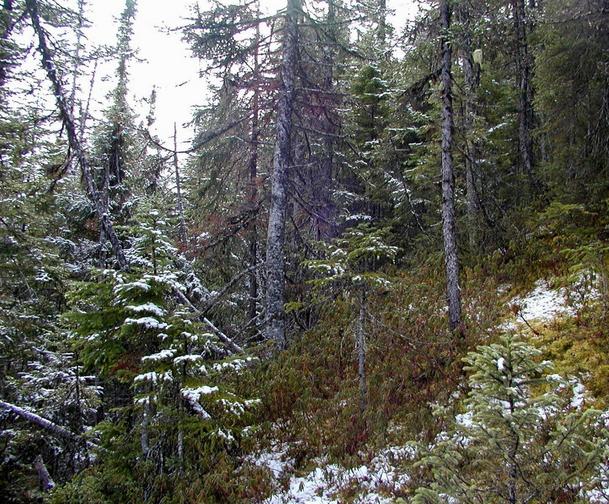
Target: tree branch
[
  {"x": 73, "y": 138},
  {"x": 45, "y": 424}
]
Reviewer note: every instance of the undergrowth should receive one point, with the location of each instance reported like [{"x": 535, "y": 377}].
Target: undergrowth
[{"x": 309, "y": 392}]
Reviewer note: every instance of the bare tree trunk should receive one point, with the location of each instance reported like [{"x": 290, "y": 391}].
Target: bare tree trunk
[
  {"x": 449, "y": 230},
  {"x": 360, "y": 335},
  {"x": 471, "y": 148},
  {"x": 512, "y": 462},
  {"x": 77, "y": 62},
  {"x": 42, "y": 422},
  {"x": 275, "y": 261},
  {"x": 253, "y": 188},
  {"x": 104, "y": 196},
  {"x": 80, "y": 422},
  {"x": 326, "y": 225},
  {"x": 46, "y": 482},
  {"x": 74, "y": 140},
  {"x": 525, "y": 109},
  {"x": 180, "y": 204},
  {"x": 181, "y": 450},
  {"x": 84, "y": 115},
  {"x": 144, "y": 440}
]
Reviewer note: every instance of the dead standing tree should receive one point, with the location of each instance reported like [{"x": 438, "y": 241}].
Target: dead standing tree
[
  {"x": 275, "y": 261},
  {"x": 74, "y": 141},
  {"x": 449, "y": 231}
]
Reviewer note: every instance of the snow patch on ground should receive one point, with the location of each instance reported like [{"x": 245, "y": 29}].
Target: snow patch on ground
[
  {"x": 317, "y": 487},
  {"x": 276, "y": 460},
  {"x": 544, "y": 303},
  {"x": 375, "y": 481}
]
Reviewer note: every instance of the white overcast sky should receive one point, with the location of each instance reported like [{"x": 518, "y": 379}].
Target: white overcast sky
[{"x": 165, "y": 59}]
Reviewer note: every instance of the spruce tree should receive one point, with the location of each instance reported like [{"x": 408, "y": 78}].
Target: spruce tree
[{"x": 525, "y": 434}]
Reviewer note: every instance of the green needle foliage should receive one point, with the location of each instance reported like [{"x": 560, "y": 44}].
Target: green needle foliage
[{"x": 525, "y": 435}]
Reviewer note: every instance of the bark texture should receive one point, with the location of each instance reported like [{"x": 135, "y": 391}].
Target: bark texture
[
  {"x": 275, "y": 261},
  {"x": 471, "y": 73},
  {"x": 449, "y": 230},
  {"x": 360, "y": 335},
  {"x": 46, "y": 482},
  {"x": 73, "y": 138},
  {"x": 253, "y": 188},
  {"x": 179, "y": 203},
  {"x": 525, "y": 109}
]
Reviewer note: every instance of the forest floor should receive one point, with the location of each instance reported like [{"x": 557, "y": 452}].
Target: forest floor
[{"x": 381, "y": 475}]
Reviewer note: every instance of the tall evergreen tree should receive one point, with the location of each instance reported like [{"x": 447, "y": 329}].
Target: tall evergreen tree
[
  {"x": 275, "y": 245},
  {"x": 449, "y": 231},
  {"x": 512, "y": 445}
]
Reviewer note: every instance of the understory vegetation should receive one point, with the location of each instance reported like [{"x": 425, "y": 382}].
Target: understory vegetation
[{"x": 378, "y": 274}]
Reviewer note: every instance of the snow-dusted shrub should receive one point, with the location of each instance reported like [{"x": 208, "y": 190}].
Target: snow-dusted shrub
[{"x": 525, "y": 436}]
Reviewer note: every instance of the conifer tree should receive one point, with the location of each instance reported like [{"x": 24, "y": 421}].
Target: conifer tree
[
  {"x": 449, "y": 225},
  {"x": 349, "y": 266},
  {"x": 155, "y": 357},
  {"x": 115, "y": 137},
  {"x": 275, "y": 245},
  {"x": 525, "y": 434}
]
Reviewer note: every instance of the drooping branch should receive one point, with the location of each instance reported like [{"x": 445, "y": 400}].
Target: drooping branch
[
  {"x": 203, "y": 139},
  {"x": 223, "y": 337},
  {"x": 43, "y": 423},
  {"x": 73, "y": 137}
]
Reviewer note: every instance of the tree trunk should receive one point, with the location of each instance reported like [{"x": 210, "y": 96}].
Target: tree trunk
[
  {"x": 471, "y": 148},
  {"x": 144, "y": 439},
  {"x": 525, "y": 109},
  {"x": 180, "y": 204},
  {"x": 84, "y": 116},
  {"x": 382, "y": 28},
  {"x": 180, "y": 450},
  {"x": 512, "y": 462},
  {"x": 46, "y": 482},
  {"x": 275, "y": 261},
  {"x": 74, "y": 140},
  {"x": 361, "y": 354},
  {"x": 326, "y": 222},
  {"x": 104, "y": 196},
  {"x": 43, "y": 423},
  {"x": 449, "y": 231},
  {"x": 253, "y": 188}
]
